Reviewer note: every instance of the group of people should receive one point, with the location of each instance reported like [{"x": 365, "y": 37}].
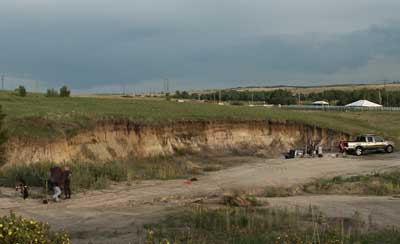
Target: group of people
[{"x": 60, "y": 177}]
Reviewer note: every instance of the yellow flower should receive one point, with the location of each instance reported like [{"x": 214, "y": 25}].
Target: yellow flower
[
  {"x": 1, "y": 235},
  {"x": 10, "y": 232}
]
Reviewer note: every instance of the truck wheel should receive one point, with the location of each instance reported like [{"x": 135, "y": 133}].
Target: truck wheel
[
  {"x": 389, "y": 149},
  {"x": 359, "y": 151}
]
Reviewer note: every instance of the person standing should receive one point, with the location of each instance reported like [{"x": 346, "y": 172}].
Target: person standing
[
  {"x": 342, "y": 145},
  {"x": 67, "y": 174}
]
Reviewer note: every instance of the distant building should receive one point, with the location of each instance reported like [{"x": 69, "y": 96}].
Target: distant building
[
  {"x": 320, "y": 103},
  {"x": 363, "y": 104}
]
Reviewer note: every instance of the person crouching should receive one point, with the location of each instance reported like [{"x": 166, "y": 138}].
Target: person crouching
[
  {"x": 54, "y": 182},
  {"x": 23, "y": 188}
]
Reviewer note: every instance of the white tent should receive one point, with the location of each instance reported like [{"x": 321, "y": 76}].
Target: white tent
[
  {"x": 320, "y": 103},
  {"x": 363, "y": 103}
]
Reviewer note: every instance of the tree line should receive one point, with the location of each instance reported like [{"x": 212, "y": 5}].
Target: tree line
[
  {"x": 280, "y": 96},
  {"x": 64, "y": 92},
  {"x": 385, "y": 97}
]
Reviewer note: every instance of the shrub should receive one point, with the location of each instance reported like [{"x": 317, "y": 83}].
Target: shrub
[
  {"x": 85, "y": 175},
  {"x": 21, "y": 91},
  {"x": 15, "y": 229},
  {"x": 52, "y": 93},
  {"x": 65, "y": 92},
  {"x": 3, "y": 139}
]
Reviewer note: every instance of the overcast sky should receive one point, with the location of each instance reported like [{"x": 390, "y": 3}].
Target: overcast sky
[{"x": 100, "y": 45}]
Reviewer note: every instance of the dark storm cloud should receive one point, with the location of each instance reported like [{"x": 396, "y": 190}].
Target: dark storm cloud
[{"x": 205, "y": 43}]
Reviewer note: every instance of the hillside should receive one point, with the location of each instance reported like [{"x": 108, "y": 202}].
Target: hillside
[
  {"x": 36, "y": 116},
  {"x": 311, "y": 89}
]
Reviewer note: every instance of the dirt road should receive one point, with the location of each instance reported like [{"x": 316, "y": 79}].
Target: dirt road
[{"x": 114, "y": 215}]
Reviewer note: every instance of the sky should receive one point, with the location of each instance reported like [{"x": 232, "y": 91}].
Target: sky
[{"x": 100, "y": 46}]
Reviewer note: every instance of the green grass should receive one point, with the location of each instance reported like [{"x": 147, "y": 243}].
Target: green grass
[
  {"x": 380, "y": 184},
  {"x": 99, "y": 175},
  {"x": 37, "y": 116},
  {"x": 386, "y": 183},
  {"x": 199, "y": 225}
]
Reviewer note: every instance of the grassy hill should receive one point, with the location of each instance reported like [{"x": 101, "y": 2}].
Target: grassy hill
[
  {"x": 37, "y": 116},
  {"x": 315, "y": 89}
]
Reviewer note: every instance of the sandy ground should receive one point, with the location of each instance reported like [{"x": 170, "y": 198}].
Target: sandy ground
[{"x": 116, "y": 214}]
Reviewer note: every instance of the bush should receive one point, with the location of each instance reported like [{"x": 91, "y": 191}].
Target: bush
[
  {"x": 98, "y": 175},
  {"x": 3, "y": 139},
  {"x": 65, "y": 92},
  {"x": 21, "y": 91},
  {"x": 15, "y": 229},
  {"x": 51, "y": 93},
  {"x": 85, "y": 175}
]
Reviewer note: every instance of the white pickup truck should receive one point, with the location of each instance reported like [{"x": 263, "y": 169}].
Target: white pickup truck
[{"x": 368, "y": 142}]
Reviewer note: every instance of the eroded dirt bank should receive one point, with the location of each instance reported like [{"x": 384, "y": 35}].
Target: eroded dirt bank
[{"x": 125, "y": 139}]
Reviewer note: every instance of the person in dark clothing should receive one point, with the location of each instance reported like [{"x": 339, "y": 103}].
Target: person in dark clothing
[
  {"x": 55, "y": 181},
  {"x": 23, "y": 188},
  {"x": 67, "y": 174}
]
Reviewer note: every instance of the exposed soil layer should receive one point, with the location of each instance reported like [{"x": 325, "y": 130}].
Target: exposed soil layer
[{"x": 115, "y": 140}]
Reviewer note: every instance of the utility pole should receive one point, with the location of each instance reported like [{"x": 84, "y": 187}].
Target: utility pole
[
  {"x": 380, "y": 96},
  {"x": 123, "y": 89},
  {"x": 2, "y": 82},
  {"x": 220, "y": 96},
  {"x": 166, "y": 88},
  {"x": 168, "y": 85},
  {"x": 387, "y": 94}
]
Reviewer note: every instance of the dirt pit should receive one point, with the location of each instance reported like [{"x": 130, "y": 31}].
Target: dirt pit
[{"x": 117, "y": 214}]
